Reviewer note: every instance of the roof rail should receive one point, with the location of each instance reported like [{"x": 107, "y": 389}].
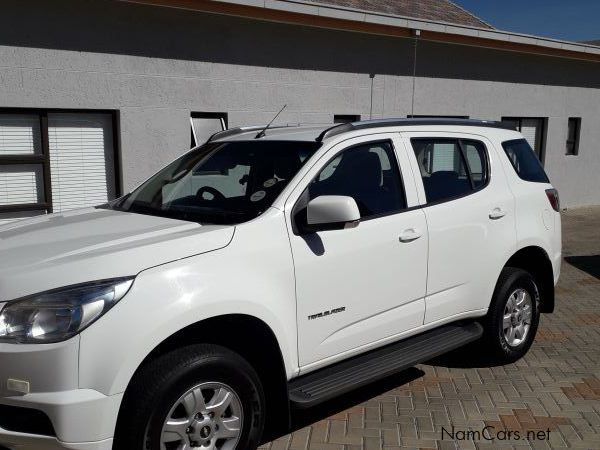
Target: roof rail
[
  {"x": 232, "y": 132},
  {"x": 377, "y": 123},
  {"x": 239, "y": 130}
]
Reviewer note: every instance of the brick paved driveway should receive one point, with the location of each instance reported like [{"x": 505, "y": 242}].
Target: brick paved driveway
[{"x": 554, "y": 390}]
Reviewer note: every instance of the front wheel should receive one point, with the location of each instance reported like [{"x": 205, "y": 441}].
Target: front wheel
[
  {"x": 201, "y": 397},
  {"x": 512, "y": 320}
]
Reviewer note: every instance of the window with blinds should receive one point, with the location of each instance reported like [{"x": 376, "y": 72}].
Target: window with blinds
[
  {"x": 81, "y": 158},
  {"x": 204, "y": 125},
  {"x": 21, "y": 184},
  {"x": 54, "y": 161},
  {"x": 20, "y": 134},
  {"x": 22, "y": 166}
]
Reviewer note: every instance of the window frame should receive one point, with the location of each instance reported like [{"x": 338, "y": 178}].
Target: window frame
[
  {"x": 43, "y": 158},
  {"x": 543, "y": 132},
  {"x": 301, "y": 201},
  {"x": 577, "y": 138},
  {"x": 222, "y": 116},
  {"x": 346, "y": 118},
  {"x": 459, "y": 141}
]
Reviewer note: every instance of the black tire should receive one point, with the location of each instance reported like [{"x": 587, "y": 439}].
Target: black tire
[
  {"x": 494, "y": 344},
  {"x": 158, "y": 386}
]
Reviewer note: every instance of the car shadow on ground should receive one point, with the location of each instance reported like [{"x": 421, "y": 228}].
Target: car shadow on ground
[
  {"x": 306, "y": 417},
  {"x": 467, "y": 357},
  {"x": 588, "y": 264},
  {"x": 464, "y": 357}
]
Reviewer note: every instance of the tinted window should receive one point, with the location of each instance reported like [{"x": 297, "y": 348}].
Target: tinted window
[
  {"x": 477, "y": 162},
  {"x": 449, "y": 171},
  {"x": 225, "y": 183},
  {"x": 369, "y": 174},
  {"x": 524, "y": 160}
]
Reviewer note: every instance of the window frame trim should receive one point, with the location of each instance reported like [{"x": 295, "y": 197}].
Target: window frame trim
[
  {"x": 44, "y": 158},
  {"x": 455, "y": 197}
]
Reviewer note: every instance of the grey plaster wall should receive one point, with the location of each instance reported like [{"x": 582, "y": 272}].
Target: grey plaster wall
[{"x": 155, "y": 66}]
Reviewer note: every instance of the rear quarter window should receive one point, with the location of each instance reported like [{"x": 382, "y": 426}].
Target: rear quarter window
[{"x": 524, "y": 161}]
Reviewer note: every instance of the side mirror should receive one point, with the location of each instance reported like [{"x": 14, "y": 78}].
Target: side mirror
[{"x": 332, "y": 212}]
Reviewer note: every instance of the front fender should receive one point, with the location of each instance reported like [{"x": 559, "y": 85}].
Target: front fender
[{"x": 239, "y": 279}]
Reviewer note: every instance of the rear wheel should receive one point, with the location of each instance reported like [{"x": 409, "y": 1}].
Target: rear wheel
[
  {"x": 513, "y": 317},
  {"x": 198, "y": 397}
]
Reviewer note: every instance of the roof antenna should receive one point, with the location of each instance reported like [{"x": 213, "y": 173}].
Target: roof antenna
[{"x": 261, "y": 133}]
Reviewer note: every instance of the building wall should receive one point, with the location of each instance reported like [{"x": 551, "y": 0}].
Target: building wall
[{"x": 155, "y": 66}]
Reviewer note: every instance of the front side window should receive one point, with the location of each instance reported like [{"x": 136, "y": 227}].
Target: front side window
[
  {"x": 450, "y": 168},
  {"x": 369, "y": 174},
  {"x": 220, "y": 183},
  {"x": 524, "y": 161}
]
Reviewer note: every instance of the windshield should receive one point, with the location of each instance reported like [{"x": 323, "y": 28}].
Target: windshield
[{"x": 220, "y": 183}]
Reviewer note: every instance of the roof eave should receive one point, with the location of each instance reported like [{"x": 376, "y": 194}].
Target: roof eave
[{"x": 348, "y": 19}]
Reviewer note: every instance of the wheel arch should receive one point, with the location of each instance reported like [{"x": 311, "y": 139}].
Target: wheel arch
[
  {"x": 253, "y": 340},
  {"x": 536, "y": 261}
]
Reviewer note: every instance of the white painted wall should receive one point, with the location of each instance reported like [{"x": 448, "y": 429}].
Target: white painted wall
[{"x": 155, "y": 66}]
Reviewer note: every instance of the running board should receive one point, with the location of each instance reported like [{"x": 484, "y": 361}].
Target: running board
[{"x": 329, "y": 382}]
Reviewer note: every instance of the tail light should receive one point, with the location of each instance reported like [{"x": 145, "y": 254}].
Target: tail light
[{"x": 553, "y": 198}]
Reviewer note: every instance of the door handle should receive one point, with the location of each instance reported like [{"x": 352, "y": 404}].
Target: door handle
[
  {"x": 410, "y": 234},
  {"x": 497, "y": 213}
]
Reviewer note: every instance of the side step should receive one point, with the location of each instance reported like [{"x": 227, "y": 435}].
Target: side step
[{"x": 324, "y": 384}]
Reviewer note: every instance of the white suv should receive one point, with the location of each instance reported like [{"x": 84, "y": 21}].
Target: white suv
[{"x": 266, "y": 270}]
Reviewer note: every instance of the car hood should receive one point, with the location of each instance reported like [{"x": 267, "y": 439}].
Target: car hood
[{"x": 91, "y": 244}]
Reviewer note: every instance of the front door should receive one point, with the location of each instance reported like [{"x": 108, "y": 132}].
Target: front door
[{"x": 359, "y": 287}]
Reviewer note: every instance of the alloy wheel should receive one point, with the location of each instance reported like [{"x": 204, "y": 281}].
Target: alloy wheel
[
  {"x": 516, "y": 321},
  {"x": 206, "y": 417}
]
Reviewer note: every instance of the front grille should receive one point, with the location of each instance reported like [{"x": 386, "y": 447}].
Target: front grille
[{"x": 25, "y": 420}]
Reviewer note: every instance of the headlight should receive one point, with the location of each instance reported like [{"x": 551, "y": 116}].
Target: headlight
[{"x": 59, "y": 314}]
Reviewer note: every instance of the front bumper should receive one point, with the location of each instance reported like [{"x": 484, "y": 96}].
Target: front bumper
[
  {"x": 22, "y": 441},
  {"x": 81, "y": 418}
]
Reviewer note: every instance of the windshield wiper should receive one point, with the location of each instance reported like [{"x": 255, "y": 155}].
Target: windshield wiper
[{"x": 216, "y": 216}]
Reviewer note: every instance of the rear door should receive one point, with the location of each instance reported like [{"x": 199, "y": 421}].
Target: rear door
[
  {"x": 470, "y": 213},
  {"x": 362, "y": 286}
]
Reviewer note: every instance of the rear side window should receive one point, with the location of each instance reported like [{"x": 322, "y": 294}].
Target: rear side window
[
  {"x": 476, "y": 160},
  {"x": 450, "y": 168},
  {"x": 524, "y": 161}
]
